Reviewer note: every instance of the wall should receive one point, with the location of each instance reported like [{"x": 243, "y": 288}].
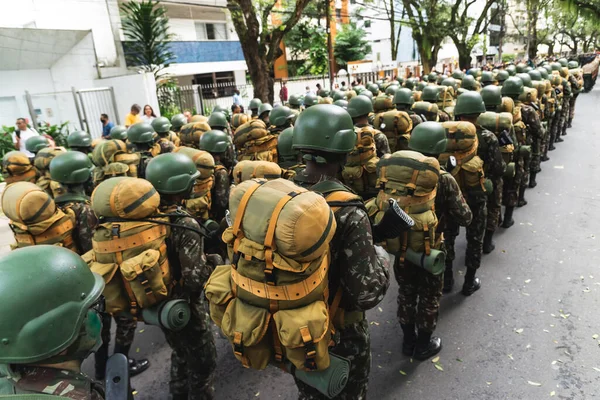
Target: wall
[
  {"x": 13, "y": 85},
  {"x": 205, "y": 67}
]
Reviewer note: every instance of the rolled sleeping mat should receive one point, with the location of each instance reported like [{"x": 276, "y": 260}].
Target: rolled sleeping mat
[
  {"x": 434, "y": 263},
  {"x": 330, "y": 381},
  {"x": 510, "y": 170},
  {"x": 173, "y": 315}
]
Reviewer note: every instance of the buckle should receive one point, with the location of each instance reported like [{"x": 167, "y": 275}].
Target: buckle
[
  {"x": 116, "y": 230},
  {"x": 269, "y": 276}
]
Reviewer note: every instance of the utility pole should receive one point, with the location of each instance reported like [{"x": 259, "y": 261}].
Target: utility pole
[
  {"x": 329, "y": 42},
  {"x": 502, "y": 12}
]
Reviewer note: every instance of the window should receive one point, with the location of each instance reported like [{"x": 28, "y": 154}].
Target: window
[{"x": 210, "y": 31}]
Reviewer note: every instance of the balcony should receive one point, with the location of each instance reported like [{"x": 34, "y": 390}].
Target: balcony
[{"x": 203, "y": 51}]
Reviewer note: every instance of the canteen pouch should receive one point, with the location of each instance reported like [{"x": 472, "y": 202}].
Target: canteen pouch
[
  {"x": 246, "y": 327},
  {"x": 304, "y": 334},
  {"x": 218, "y": 292},
  {"x": 114, "y": 289},
  {"x": 361, "y": 177},
  {"x": 146, "y": 278}
]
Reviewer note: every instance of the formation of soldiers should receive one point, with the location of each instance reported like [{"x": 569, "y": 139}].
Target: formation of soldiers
[{"x": 169, "y": 214}]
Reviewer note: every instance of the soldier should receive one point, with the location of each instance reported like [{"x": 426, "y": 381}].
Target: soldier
[
  {"x": 280, "y": 119},
  {"x": 218, "y": 144},
  {"x": 535, "y": 130},
  {"x": 35, "y": 144},
  {"x": 575, "y": 89},
  {"x": 414, "y": 282},
  {"x": 295, "y": 102},
  {"x": 49, "y": 322},
  {"x": 168, "y": 140},
  {"x": 501, "y": 76},
  {"x": 80, "y": 141},
  {"x": 194, "y": 356},
  {"x": 16, "y": 167},
  {"x": 288, "y": 159},
  {"x": 468, "y": 107},
  {"x": 359, "y": 108},
  {"x": 218, "y": 121},
  {"x": 177, "y": 121},
  {"x": 358, "y": 275},
  {"x": 341, "y": 103},
  {"x": 263, "y": 113},
  {"x": 254, "y": 106},
  {"x": 469, "y": 83},
  {"x": 487, "y": 78},
  {"x": 310, "y": 100},
  {"x": 141, "y": 137},
  {"x": 118, "y": 132}
]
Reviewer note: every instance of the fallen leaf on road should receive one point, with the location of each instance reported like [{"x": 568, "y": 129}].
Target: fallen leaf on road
[
  {"x": 534, "y": 383},
  {"x": 142, "y": 330},
  {"x": 375, "y": 323},
  {"x": 257, "y": 394},
  {"x": 439, "y": 367},
  {"x": 402, "y": 373},
  {"x": 552, "y": 315},
  {"x": 528, "y": 346},
  {"x": 552, "y": 393},
  {"x": 596, "y": 369},
  {"x": 380, "y": 309},
  {"x": 508, "y": 277},
  {"x": 490, "y": 315},
  {"x": 525, "y": 294},
  {"x": 554, "y": 362},
  {"x": 489, "y": 383},
  {"x": 586, "y": 290},
  {"x": 459, "y": 360},
  {"x": 565, "y": 316},
  {"x": 546, "y": 330},
  {"x": 559, "y": 166},
  {"x": 435, "y": 360},
  {"x": 582, "y": 277},
  {"x": 528, "y": 280},
  {"x": 137, "y": 350},
  {"x": 511, "y": 357},
  {"x": 134, "y": 392},
  {"x": 519, "y": 331},
  {"x": 567, "y": 353}
]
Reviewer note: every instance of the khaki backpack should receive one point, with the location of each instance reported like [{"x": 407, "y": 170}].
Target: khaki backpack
[
  {"x": 396, "y": 125},
  {"x": 360, "y": 171},
  {"x": 254, "y": 142},
  {"x": 113, "y": 151},
  {"x": 462, "y": 145},
  {"x": 500, "y": 124},
  {"x": 382, "y": 103},
  {"x": 16, "y": 167},
  {"x": 245, "y": 170},
  {"x": 238, "y": 120},
  {"x": 411, "y": 179},
  {"x": 189, "y": 135},
  {"x": 272, "y": 301},
  {"x": 34, "y": 217},
  {"x": 200, "y": 202},
  {"x": 42, "y": 163},
  {"x": 131, "y": 255}
]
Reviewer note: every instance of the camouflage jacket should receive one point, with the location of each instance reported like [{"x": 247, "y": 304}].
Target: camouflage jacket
[
  {"x": 220, "y": 193},
  {"x": 532, "y": 120},
  {"x": 489, "y": 151},
  {"x": 85, "y": 223},
  {"x": 356, "y": 266},
  {"x": 415, "y": 118},
  {"x": 382, "y": 144},
  {"x": 575, "y": 88},
  {"x": 57, "y": 382},
  {"x": 166, "y": 146},
  {"x": 450, "y": 203}
]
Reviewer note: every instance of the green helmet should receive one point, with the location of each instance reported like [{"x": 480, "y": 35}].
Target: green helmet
[
  {"x": 221, "y": 109},
  {"x": 525, "y": 78},
  {"x": 428, "y": 138},
  {"x": 338, "y": 95},
  {"x": 373, "y": 88},
  {"x": 71, "y": 167},
  {"x": 440, "y": 78},
  {"x": 563, "y": 62},
  {"x": 548, "y": 69},
  {"x": 358, "y": 89},
  {"x": 45, "y": 308},
  {"x": 36, "y": 143},
  {"x": 391, "y": 90},
  {"x": 79, "y": 139},
  {"x": 119, "y": 132},
  {"x": 341, "y": 103},
  {"x": 491, "y": 96},
  {"x": 172, "y": 173},
  {"x": 458, "y": 74},
  {"x": 323, "y": 93},
  {"x": 214, "y": 141},
  {"x": 255, "y": 104},
  {"x": 178, "y": 120},
  {"x": 469, "y": 83},
  {"x": 573, "y": 64},
  {"x": 141, "y": 132},
  {"x": 512, "y": 87},
  {"x": 501, "y": 76},
  {"x": 325, "y": 128},
  {"x": 450, "y": 82},
  {"x": 475, "y": 72},
  {"x": 543, "y": 72},
  {"x": 161, "y": 125},
  {"x": 404, "y": 96},
  {"x": 527, "y": 69},
  {"x": 360, "y": 106},
  {"x": 432, "y": 77},
  {"x": 264, "y": 108},
  {"x": 430, "y": 94},
  {"x": 535, "y": 75},
  {"x": 411, "y": 83},
  {"x": 281, "y": 115},
  {"x": 366, "y": 93},
  {"x": 556, "y": 66},
  {"x": 310, "y": 100},
  {"x": 400, "y": 80},
  {"x": 521, "y": 68},
  {"x": 511, "y": 69},
  {"x": 421, "y": 85},
  {"x": 295, "y": 100},
  {"x": 218, "y": 120},
  {"x": 469, "y": 103},
  {"x": 487, "y": 77},
  {"x": 284, "y": 144}
]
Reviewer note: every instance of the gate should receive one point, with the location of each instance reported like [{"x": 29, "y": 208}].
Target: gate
[{"x": 92, "y": 103}]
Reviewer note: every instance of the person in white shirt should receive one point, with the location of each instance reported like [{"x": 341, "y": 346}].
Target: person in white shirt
[
  {"x": 21, "y": 134},
  {"x": 148, "y": 114}
]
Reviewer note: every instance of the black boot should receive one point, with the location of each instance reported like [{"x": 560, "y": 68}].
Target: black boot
[
  {"x": 448, "y": 278},
  {"x": 410, "y": 339},
  {"x": 508, "y": 218},
  {"x": 100, "y": 360},
  {"x": 471, "y": 284},
  {"x": 551, "y": 146},
  {"x": 569, "y": 124},
  {"x": 488, "y": 243},
  {"x": 136, "y": 367},
  {"x": 544, "y": 157},
  {"x": 427, "y": 346},
  {"x": 532, "y": 182},
  {"x": 558, "y": 138},
  {"x": 522, "y": 202}
]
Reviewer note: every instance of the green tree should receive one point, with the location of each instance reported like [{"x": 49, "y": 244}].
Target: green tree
[
  {"x": 307, "y": 46},
  {"x": 260, "y": 39},
  {"x": 350, "y": 45},
  {"x": 146, "y": 29}
]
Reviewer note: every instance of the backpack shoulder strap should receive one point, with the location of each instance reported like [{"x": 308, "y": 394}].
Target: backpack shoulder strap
[{"x": 338, "y": 195}]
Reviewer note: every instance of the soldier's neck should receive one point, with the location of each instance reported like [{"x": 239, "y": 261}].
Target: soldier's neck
[
  {"x": 72, "y": 365},
  {"x": 317, "y": 172}
]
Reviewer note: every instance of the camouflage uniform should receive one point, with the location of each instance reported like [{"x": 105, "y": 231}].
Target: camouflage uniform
[
  {"x": 382, "y": 144},
  {"x": 551, "y": 112},
  {"x": 564, "y": 114},
  {"x": 85, "y": 222},
  {"x": 534, "y": 135},
  {"x": 194, "y": 356},
  {"x": 419, "y": 291},
  {"x": 54, "y": 381},
  {"x": 165, "y": 145},
  {"x": 362, "y": 273},
  {"x": 220, "y": 193},
  {"x": 575, "y": 88},
  {"x": 493, "y": 167}
]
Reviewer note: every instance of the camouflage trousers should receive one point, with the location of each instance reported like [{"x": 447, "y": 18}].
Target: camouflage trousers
[
  {"x": 126, "y": 326},
  {"x": 549, "y": 137},
  {"x": 475, "y": 232},
  {"x": 419, "y": 294},
  {"x": 354, "y": 344},
  {"x": 194, "y": 356},
  {"x": 494, "y": 205},
  {"x": 572, "y": 102},
  {"x": 536, "y": 152},
  {"x": 554, "y": 133},
  {"x": 564, "y": 115},
  {"x": 510, "y": 186}
]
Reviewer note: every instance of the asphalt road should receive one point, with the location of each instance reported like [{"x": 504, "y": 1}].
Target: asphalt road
[{"x": 529, "y": 333}]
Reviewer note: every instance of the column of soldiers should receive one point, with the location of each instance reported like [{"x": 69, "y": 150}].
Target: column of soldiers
[{"x": 450, "y": 151}]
